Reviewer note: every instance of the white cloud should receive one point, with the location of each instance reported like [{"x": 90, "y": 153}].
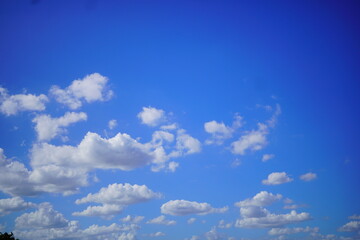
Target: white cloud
[
  {"x": 272, "y": 220},
  {"x": 91, "y": 88},
  {"x": 261, "y": 199},
  {"x": 255, "y": 140},
  {"x": 253, "y": 212},
  {"x": 47, "y": 127},
  {"x": 219, "y": 132},
  {"x": 185, "y": 144},
  {"x": 183, "y": 207},
  {"x": 44, "y": 217},
  {"x": 294, "y": 206},
  {"x": 15, "y": 204},
  {"x": 169, "y": 127},
  {"x": 191, "y": 220},
  {"x": 107, "y": 211},
  {"x": 161, "y": 220},
  {"x": 277, "y": 178},
  {"x": 267, "y": 157},
  {"x": 286, "y": 231},
  {"x": 132, "y": 219},
  {"x": 120, "y": 194},
  {"x": 252, "y": 141},
  {"x": 151, "y": 116},
  {"x": 156, "y": 234},
  {"x": 112, "y": 124},
  {"x": 354, "y": 217},
  {"x": 12, "y": 104},
  {"x": 213, "y": 234},
  {"x": 161, "y": 137},
  {"x": 353, "y": 226},
  {"x": 308, "y": 176},
  {"x": 223, "y": 224},
  {"x": 172, "y": 166},
  {"x": 115, "y": 198}
]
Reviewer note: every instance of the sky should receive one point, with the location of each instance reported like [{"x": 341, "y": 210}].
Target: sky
[{"x": 181, "y": 120}]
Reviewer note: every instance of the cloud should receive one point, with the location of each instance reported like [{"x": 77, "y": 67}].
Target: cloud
[
  {"x": 185, "y": 144},
  {"x": 272, "y": 220},
  {"x": 114, "y": 199},
  {"x": 223, "y": 224},
  {"x": 286, "y": 231},
  {"x": 112, "y": 124},
  {"x": 47, "y": 127},
  {"x": 151, "y": 116},
  {"x": 191, "y": 220},
  {"x": 308, "y": 176},
  {"x": 15, "y": 204},
  {"x": 277, "y": 178},
  {"x": 267, "y": 157},
  {"x": 12, "y": 104},
  {"x": 220, "y": 132},
  {"x": 255, "y": 140},
  {"x": 213, "y": 234},
  {"x": 353, "y": 226},
  {"x": 120, "y": 194},
  {"x": 354, "y": 217},
  {"x": 44, "y": 217},
  {"x": 183, "y": 207},
  {"x": 253, "y": 212},
  {"x": 156, "y": 234},
  {"x": 294, "y": 206},
  {"x": 107, "y": 211},
  {"x": 261, "y": 199},
  {"x": 161, "y": 220},
  {"x": 132, "y": 219},
  {"x": 91, "y": 88}
]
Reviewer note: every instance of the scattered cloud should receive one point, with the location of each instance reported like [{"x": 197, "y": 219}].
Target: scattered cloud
[
  {"x": 156, "y": 234},
  {"x": 220, "y": 132},
  {"x": 267, "y": 220},
  {"x": 353, "y": 226},
  {"x": 308, "y": 176},
  {"x": 112, "y": 124},
  {"x": 267, "y": 157},
  {"x": 91, "y": 88},
  {"x": 106, "y": 211},
  {"x": 223, "y": 224},
  {"x": 213, "y": 234},
  {"x": 15, "y": 204},
  {"x": 261, "y": 199},
  {"x": 183, "y": 207},
  {"x": 294, "y": 206},
  {"x": 152, "y": 116},
  {"x": 286, "y": 231},
  {"x": 277, "y": 178},
  {"x": 13, "y": 104},
  {"x": 132, "y": 219},
  {"x": 161, "y": 220},
  {"x": 191, "y": 220},
  {"x": 47, "y": 127},
  {"x": 185, "y": 144},
  {"x": 354, "y": 217}
]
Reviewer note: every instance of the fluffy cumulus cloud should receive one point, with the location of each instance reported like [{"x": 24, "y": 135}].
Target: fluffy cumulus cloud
[
  {"x": 15, "y": 204},
  {"x": 91, "y": 88},
  {"x": 152, "y": 116},
  {"x": 220, "y": 132},
  {"x": 185, "y": 144},
  {"x": 114, "y": 199},
  {"x": 161, "y": 220},
  {"x": 47, "y": 223},
  {"x": 286, "y": 231},
  {"x": 352, "y": 226},
  {"x": 277, "y": 178},
  {"x": 256, "y": 139},
  {"x": 261, "y": 199},
  {"x": 47, "y": 127},
  {"x": 267, "y": 220},
  {"x": 13, "y": 104},
  {"x": 183, "y": 207},
  {"x": 132, "y": 219},
  {"x": 308, "y": 176}
]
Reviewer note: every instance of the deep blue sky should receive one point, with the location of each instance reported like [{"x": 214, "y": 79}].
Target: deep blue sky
[{"x": 198, "y": 61}]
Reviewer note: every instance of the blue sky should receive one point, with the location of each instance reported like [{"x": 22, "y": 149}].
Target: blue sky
[{"x": 179, "y": 120}]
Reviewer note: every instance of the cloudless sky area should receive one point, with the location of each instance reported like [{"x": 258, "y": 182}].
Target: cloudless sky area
[{"x": 181, "y": 120}]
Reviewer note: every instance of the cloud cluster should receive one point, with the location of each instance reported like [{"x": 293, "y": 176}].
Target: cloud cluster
[
  {"x": 91, "y": 88},
  {"x": 161, "y": 220},
  {"x": 220, "y": 132},
  {"x": 254, "y": 215},
  {"x": 352, "y": 226},
  {"x": 13, "y": 104},
  {"x": 184, "y": 207},
  {"x": 286, "y": 231},
  {"x": 15, "y": 204},
  {"x": 47, "y": 127},
  {"x": 114, "y": 198},
  {"x": 277, "y": 178}
]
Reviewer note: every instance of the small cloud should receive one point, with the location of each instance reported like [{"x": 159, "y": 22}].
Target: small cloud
[
  {"x": 236, "y": 163},
  {"x": 267, "y": 157},
  {"x": 112, "y": 124},
  {"x": 161, "y": 220},
  {"x": 277, "y": 178},
  {"x": 308, "y": 176},
  {"x": 151, "y": 116},
  {"x": 191, "y": 220}
]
